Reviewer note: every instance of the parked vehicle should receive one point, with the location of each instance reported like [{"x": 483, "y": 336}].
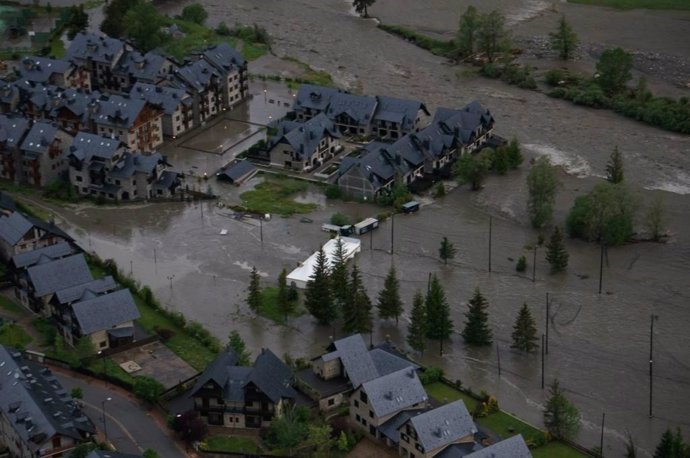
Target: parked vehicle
[
  {"x": 334, "y": 229},
  {"x": 410, "y": 207},
  {"x": 366, "y": 225}
]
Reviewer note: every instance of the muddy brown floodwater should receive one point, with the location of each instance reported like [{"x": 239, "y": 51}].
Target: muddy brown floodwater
[{"x": 599, "y": 344}]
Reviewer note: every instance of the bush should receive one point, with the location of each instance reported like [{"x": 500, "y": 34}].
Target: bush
[
  {"x": 521, "y": 265},
  {"x": 223, "y": 30},
  {"x": 431, "y": 375},
  {"x": 164, "y": 334},
  {"x": 339, "y": 219},
  {"x": 440, "y": 190},
  {"x": 333, "y": 192}
]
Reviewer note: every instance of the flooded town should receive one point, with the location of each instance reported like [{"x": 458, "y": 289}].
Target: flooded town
[{"x": 165, "y": 211}]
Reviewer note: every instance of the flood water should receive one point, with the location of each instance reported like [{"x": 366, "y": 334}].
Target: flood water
[{"x": 599, "y": 344}]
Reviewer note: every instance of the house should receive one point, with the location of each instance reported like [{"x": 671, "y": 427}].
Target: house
[
  {"x": 134, "y": 122},
  {"x": 239, "y": 172},
  {"x": 427, "y": 434},
  {"x": 37, "y": 415},
  {"x": 472, "y": 125},
  {"x": 233, "y": 68},
  {"x": 20, "y": 262},
  {"x": 382, "y": 399},
  {"x": 47, "y": 278},
  {"x": 435, "y": 143},
  {"x": 304, "y": 146},
  {"x": 36, "y": 99},
  {"x": 55, "y": 72},
  {"x": 394, "y": 117},
  {"x": 99, "y": 55},
  {"x": 352, "y": 114},
  {"x": 21, "y": 234},
  {"x": 243, "y": 397},
  {"x": 12, "y": 131},
  {"x": 72, "y": 109},
  {"x": 90, "y": 158},
  {"x": 514, "y": 447},
  {"x": 44, "y": 154},
  {"x": 312, "y": 100},
  {"x": 134, "y": 67},
  {"x": 137, "y": 176},
  {"x": 203, "y": 81},
  {"x": 176, "y": 105},
  {"x": 9, "y": 97}
]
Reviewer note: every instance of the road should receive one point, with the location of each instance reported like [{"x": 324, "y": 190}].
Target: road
[{"x": 130, "y": 428}]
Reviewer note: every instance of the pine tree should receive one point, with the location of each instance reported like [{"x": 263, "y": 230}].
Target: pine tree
[
  {"x": 317, "y": 296},
  {"x": 389, "y": 303},
  {"x": 338, "y": 277},
  {"x": 254, "y": 290},
  {"x": 362, "y": 5},
  {"x": 236, "y": 344},
  {"x": 439, "y": 325},
  {"x": 447, "y": 250},
  {"x": 416, "y": 330},
  {"x": 614, "y": 168},
  {"x": 561, "y": 417},
  {"x": 564, "y": 40},
  {"x": 672, "y": 446},
  {"x": 477, "y": 330},
  {"x": 514, "y": 154},
  {"x": 284, "y": 304},
  {"x": 556, "y": 254},
  {"x": 466, "y": 38},
  {"x": 542, "y": 186},
  {"x": 524, "y": 331},
  {"x": 357, "y": 314}
]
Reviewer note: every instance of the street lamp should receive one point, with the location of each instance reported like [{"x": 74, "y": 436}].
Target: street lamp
[
  {"x": 105, "y": 428},
  {"x": 170, "y": 277},
  {"x": 653, "y": 318},
  {"x": 105, "y": 369}
]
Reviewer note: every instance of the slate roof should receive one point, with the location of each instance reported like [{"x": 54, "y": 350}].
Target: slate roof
[
  {"x": 35, "y": 403},
  {"x": 60, "y": 274},
  {"x": 77, "y": 101},
  {"x": 443, "y": 425},
  {"x": 358, "y": 107},
  {"x": 13, "y": 228},
  {"x": 237, "y": 378},
  {"x": 354, "y": 355},
  {"x": 395, "y": 391},
  {"x": 106, "y": 311},
  {"x": 514, "y": 447},
  {"x": 51, "y": 252},
  {"x": 391, "y": 426},
  {"x": 237, "y": 170},
  {"x": 6, "y": 202},
  {"x": 197, "y": 75},
  {"x": 131, "y": 163},
  {"x": 39, "y": 137},
  {"x": 117, "y": 111},
  {"x": 272, "y": 376},
  {"x": 387, "y": 362},
  {"x": 40, "y": 69},
  {"x": 110, "y": 454},
  {"x": 93, "y": 288},
  {"x": 313, "y": 97},
  {"x": 142, "y": 67},
  {"x": 323, "y": 387},
  {"x": 216, "y": 370},
  {"x": 379, "y": 163},
  {"x": 399, "y": 111},
  {"x": 8, "y": 92},
  {"x": 98, "y": 48},
  {"x": 224, "y": 57},
  {"x": 459, "y": 450},
  {"x": 12, "y": 130},
  {"x": 86, "y": 146},
  {"x": 167, "y": 98},
  {"x": 305, "y": 137}
]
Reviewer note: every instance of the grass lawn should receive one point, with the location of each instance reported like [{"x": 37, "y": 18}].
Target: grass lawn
[
  {"x": 501, "y": 423},
  {"x": 10, "y": 306},
  {"x": 182, "y": 344},
  {"x": 57, "y": 48},
  {"x": 274, "y": 195},
  {"x": 234, "y": 444},
  {"x": 111, "y": 368},
  {"x": 556, "y": 449},
  {"x": 269, "y": 306},
  {"x": 14, "y": 336},
  {"x": 441, "y": 391},
  {"x": 630, "y": 4}
]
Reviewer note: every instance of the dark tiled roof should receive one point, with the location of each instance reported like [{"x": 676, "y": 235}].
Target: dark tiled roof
[
  {"x": 78, "y": 102},
  {"x": 12, "y": 129},
  {"x": 459, "y": 450},
  {"x": 353, "y": 353},
  {"x": 313, "y": 97},
  {"x": 305, "y": 138},
  {"x": 323, "y": 387},
  {"x": 60, "y": 274},
  {"x": 391, "y": 426},
  {"x": 142, "y": 67},
  {"x": 358, "y": 107},
  {"x": 386, "y": 362},
  {"x": 131, "y": 163},
  {"x": 86, "y": 146},
  {"x": 35, "y": 403},
  {"x": 216, "y": 371},
  {"x": 40, "y": 69},
  {"x": 443, "y": 425},
  {"x": 39, "y": 137},
  {"x": 514, "y": 447},
  {"x": 237, "y": 170},
  {"x": 395, "y": 391},
  {"x": 224, "y": 57},
  {"x": 8, "y": 92},
  {"x": 7, "y": 202},
  {"x": 95, "y": 287},
  {"x": 272, "y": 376},
  {"x": 399, "y": 111},
  {"x": 197, "y": 74},
  {"x": 117, "y": 111},
  {"x": 105, "y": 312},
  {"x": 379, "y": 163},
  {"x": 237, "y": 378},
  {"x": 13, "y": 227},
  {"x": 55, "y": 251},
  {"x": 167, "y": 98},
  {"x": 98, "y": 48}
]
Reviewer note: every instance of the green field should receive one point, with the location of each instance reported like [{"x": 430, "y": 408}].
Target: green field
[
  {"x": 269, "y": 306},
  {"x": 10, "y": 306},
  {"x": 231, "y": 444},
  {"x": 506, "y": 425},
  {"x": 275, "y": 196},
  {"x": 556, "y": 450},
  {"x": 632, "y": 4},
  {"x": 14, "y": 336},
  {"x": 440, "y": 391}
]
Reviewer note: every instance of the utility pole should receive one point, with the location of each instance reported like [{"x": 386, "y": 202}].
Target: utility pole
[
  {"x": 542, "y": 361},
  {"x": 601, "y": 440},
  {"x": 601, "y": 266},
  {"x": 534, "y": 264},
  {"x": 651, "y": 361},
  {"x": 498, "y": 355},
  {"x": 392, "y": 231},
  {"x": 490, "y": 221},
  {"x": 261, "y": 231},
  {"x": 547, "y": 323},
  {"x": 131, "y": 269},
  {"x": 371, "y": 240}
]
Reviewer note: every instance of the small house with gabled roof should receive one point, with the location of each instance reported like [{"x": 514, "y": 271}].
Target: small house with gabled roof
[
  {"x": 47, "y": 277},
  {"x": 395, "y": 117},
  {"x": 304, "y": 146},
  {"x": 513, "y": 447},
  {"x": 22, "y": 234}
]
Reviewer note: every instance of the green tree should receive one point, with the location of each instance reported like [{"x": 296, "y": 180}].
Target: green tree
[
  {"x": 254, "y": 299},
  {"x": 542, "y": 185},
  {"x": 142, "y": 26},
  {"x": 76, "y": 393},
  {"x": 194, "y": 13},
  {"x": 150, "y": 453},
  {"x": 498, "y": 158},
  {"x": 288, "y": 430},
  {"x": 361, "y": 6},
  {"x": 561, "y": 417},
  {"x": 655, "y": 218},
  {"x": 190, "y": 427},
  {"x": 339, "y": 277},
  {"x": 666, "y": 447},
  {"x": 78, "y": 21},
  {"x": 524, "y": 331},
  {"x": 319, "y": 437},
  {"x": 447, "y": 250},
  {"x": 343, "y": 444},
  {"x": 389, "y": 303},
  {"x": 83, "y": 450},
  {"x": 492, "y": 36},
  {"x": 466, "y": 38},
  {"x": 556, "y": 254},
  {"x": 439, "y": 325},
  {"x": 114, "y": 17},
  {"x": 614, "y": 168},
  {"x": 416, "y": 330},
  {"x": 339, "y": 219},
  {"x": 477, "y": 331},
  {"x": 284, "y": 303},
  {"x": 564, "y": 40},
  {"x": 147, "y": 389},
  {"x": 237, "y": 345},
  {"x": 472, "y": 169},
  {"x": 514, "y": 154},
  {"x": 84, "y": 347},
  {"x": 357, "y": 314},
  {"x": 317, "y": 296},
  {"x": 614, "y": 67}
]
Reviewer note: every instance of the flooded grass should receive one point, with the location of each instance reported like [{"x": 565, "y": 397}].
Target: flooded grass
[
  {"x": 275, "y": 196},
  {"x": 632, "y": 4},
  {"x": 269, "y": 307},
  {"x": 438, "y": 47},
  {"x": 231, "y": 444},
  {"x": 506, "y": 425},
  {"x": 556, "y": 449},
  {"x": 14, "y": 336},
  {"x": 440, "y": 391}
]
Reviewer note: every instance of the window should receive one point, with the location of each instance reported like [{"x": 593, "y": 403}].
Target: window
[
  {"x": 79, "y": 178},
  {"x": 332, "y": 402},
  {"x": 404, "y": 437},
  {"x": 103, "y": 344},
  {"x": 364, "y": 422},
  {"x": 371, "y": 414},
  {"x": 363, "y": 396},
  {"x": 356, "y": 403},
  {"x": 358, "y": 418}
]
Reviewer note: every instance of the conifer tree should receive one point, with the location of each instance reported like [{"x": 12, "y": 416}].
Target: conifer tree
[
  {"x": 338, "y": 277},
  {"x": 666, "y": 446},
  {"x": 236, "y": 344},
  {"x": 439, "y": 325},
  {"x": 477, "y": 330},
  {"x": 357, "y": 313},
  {"x": 556, "y": 254},
  {"x": 614, "y": 168},
  {"x": 561, "y": 417},
  {"x": 447, "y": 250},
  {"x": 389, "y": 303},
  {"x": 564, "y": 40},
  {"x": 317, "y": 296},
  {"x": 514, "y": 154},
  {"x": 416, "y": 330},
  {"x": 284, "y": 303},
  {"x": 254, "y": 290},
  {"x": 524, "y": 331}
]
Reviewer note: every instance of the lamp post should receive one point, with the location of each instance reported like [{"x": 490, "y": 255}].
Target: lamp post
[
  {"x": 170, "y": 277},
  {"x": 105, "y": 369},
  {"x": 105, "y": 427},
  {"x": 653, "y": 318}
]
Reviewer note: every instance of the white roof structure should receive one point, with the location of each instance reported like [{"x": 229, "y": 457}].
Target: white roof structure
[{"x": 303, "y": 273}]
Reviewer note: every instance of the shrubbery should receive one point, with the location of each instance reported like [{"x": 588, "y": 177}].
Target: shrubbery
[
  {"x": 517, "y": 75},
  {"x": 431, "y": 375}
]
